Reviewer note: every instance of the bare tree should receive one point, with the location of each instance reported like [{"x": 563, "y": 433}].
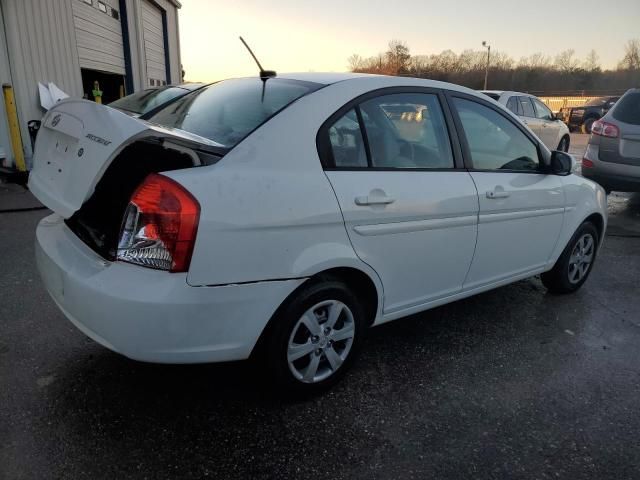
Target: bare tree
[
  {"x": 566, "y": 61},
  {"x": 537, "y": 60},
  {"x": 631, "y": 60},
  {"x": 398, "y": 57},
  {"x": 535, "y": 73},
  {"x": 592, "y": 62},
  {"x": 355, "y": 62}
]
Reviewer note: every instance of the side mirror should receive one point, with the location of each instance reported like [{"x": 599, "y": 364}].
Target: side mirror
[{"x": 561, "y": 163}]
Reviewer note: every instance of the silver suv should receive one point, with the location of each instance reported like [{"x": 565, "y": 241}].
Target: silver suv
[{"x": 613, "y": 155}]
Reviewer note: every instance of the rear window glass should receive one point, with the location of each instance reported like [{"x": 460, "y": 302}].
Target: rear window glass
[
  {"x": 628, "y": 109},
  {"x": 228, "y": 111},
  {"x": 146, "y": 100}
]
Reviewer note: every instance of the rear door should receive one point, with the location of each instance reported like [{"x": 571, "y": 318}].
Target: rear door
[
  {"x": 528, "y": 114},
  {"x": 550, "y": 129},
  {"x": 521, "y": 208},
  {"x": 410, "y": 211}
]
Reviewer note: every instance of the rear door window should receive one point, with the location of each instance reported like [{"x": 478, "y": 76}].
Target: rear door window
[
  {"x": 512, "y": 104},
  {"x": 628, "y": 109},
  {"x": 346, "y": 141},
  {"x": 526, "y": 107},
  {"x": 407, "y": 130}
]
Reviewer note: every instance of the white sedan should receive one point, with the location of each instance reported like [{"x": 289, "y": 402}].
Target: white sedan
[
  {"x": 283, "y": 216},
  {"x": 537, "y": 116}
]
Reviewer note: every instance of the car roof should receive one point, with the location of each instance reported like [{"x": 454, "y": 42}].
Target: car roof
[
  {"x": 364, "y": 78},
  {"x": 509, "y": 93}
]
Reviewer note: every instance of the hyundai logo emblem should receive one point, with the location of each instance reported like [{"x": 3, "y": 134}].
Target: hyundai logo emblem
[{"x": 55, "y": 121}]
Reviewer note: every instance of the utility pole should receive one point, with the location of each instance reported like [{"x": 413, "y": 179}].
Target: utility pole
[{"x": 486, "y": 70}]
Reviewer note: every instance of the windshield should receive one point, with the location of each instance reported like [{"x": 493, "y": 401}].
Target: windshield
[
  {"x": 146, "y": 100},
  {"x": 228, "y": 111}
]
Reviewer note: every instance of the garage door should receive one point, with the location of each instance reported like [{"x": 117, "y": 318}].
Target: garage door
[
  {"x": 154, "y": 44},
  {"x": 99, "y": 35}
]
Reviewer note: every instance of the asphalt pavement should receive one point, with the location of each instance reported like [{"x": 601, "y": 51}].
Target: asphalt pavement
[{"x": 512, "y": 383}]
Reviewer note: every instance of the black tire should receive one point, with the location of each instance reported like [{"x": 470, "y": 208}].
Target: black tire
[
  {"x": 557, "y": 280},
  {"x": 588, "y": 123},
  {"x": 286, "y": 321},
  {"x": 563, "y": 146}
]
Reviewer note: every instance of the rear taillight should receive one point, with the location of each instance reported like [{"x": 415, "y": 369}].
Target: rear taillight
[
  {"x": 159, "y": 226},
  {"x": 586, "y": 163},
  {"x": 604, "y": 129}
]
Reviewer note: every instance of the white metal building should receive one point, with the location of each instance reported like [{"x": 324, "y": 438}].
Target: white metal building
[{"x": 124, "y": 45}]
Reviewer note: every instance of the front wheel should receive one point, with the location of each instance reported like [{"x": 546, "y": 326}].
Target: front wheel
[
  {"x": 315, "y": 337},
  {"x": 574, "y": 265}
]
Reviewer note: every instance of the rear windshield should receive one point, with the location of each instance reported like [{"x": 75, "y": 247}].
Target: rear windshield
[
  {"x": 228, "y": 111},
  {"x": 627, "y": 109},
  {"x": 146, "y": 100}
]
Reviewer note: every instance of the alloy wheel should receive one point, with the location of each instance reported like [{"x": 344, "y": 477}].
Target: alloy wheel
[
  {"x": 581, "y": 258},
  {"x": 320, "y": 341}
]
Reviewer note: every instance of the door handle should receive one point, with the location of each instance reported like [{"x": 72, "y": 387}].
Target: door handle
[
  {"x": 374, "y": 200},
  {"x": 497, "y": 194}
]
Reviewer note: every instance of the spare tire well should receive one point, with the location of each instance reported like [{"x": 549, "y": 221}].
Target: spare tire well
[{"x": 98, "y": 221}]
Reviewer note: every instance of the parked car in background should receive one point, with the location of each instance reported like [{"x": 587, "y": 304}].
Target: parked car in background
[
  {"x": 537, "y": 116},
  {"x": 265, "y": 217},
  {"x": 612, "y": 157},
  {"x": 147, "y": 102},
  {"x": 582, "y": 117}
]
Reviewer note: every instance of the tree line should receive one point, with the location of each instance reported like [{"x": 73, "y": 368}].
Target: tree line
[{"x": 537, "y": 73}]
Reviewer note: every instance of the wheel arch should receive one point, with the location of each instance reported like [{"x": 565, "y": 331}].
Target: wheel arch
[
  {"x": 364, "y": 284},
  {"x": 598, "y": 221}
]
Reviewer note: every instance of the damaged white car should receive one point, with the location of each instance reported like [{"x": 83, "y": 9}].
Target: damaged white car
[{"x": 282, "y": 216}]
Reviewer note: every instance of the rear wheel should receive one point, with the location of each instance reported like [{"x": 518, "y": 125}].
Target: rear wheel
[
  {"x": 315, "y": 337},
  {"x": 574, "y": 265},
  {"x": 588, "y": 123}
]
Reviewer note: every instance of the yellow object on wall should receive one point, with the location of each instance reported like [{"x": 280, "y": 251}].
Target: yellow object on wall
[{"x": 14, "y": 127}]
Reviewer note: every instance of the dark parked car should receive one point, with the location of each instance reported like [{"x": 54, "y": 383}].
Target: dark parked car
[
  {"x": 613, "y": 155},
  {"x": 583, "y": 117},
  {"x": 146, "y": 102}
]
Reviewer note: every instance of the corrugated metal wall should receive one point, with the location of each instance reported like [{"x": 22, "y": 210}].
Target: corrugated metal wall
[
  {"x": 99, "y": 37},
  {"x": 138, "y": 60},
  {"x": 153, "y": 33},
  {"x": 42, "y": 47}
]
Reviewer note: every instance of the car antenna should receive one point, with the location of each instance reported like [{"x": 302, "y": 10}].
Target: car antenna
[{"x": 264, "y": 74}]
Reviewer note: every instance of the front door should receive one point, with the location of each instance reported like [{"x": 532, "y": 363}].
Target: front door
[
  {"x": 409, "y": 212},
  {"x": 521, "y": 208}
]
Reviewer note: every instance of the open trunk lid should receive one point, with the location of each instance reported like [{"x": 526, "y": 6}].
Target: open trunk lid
[{"x": 78, "y": 141}]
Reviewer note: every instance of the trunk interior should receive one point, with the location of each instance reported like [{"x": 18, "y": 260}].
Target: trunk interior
[{"x": 99, "y": 220}]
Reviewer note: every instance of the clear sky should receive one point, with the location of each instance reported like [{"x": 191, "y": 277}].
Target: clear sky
[{"x": 305, "y": 35}]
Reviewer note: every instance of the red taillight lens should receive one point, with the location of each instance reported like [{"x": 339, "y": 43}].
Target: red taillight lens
[
  {"x": 604, "y": 129},
  {"x": 160, "y": 225},
  {"x": 586, "y": 163}
]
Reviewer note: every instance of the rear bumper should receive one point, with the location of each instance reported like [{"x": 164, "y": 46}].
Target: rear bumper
[
  {"x": 611, "y": 176},
  {"x": 151, "y": 315}
]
